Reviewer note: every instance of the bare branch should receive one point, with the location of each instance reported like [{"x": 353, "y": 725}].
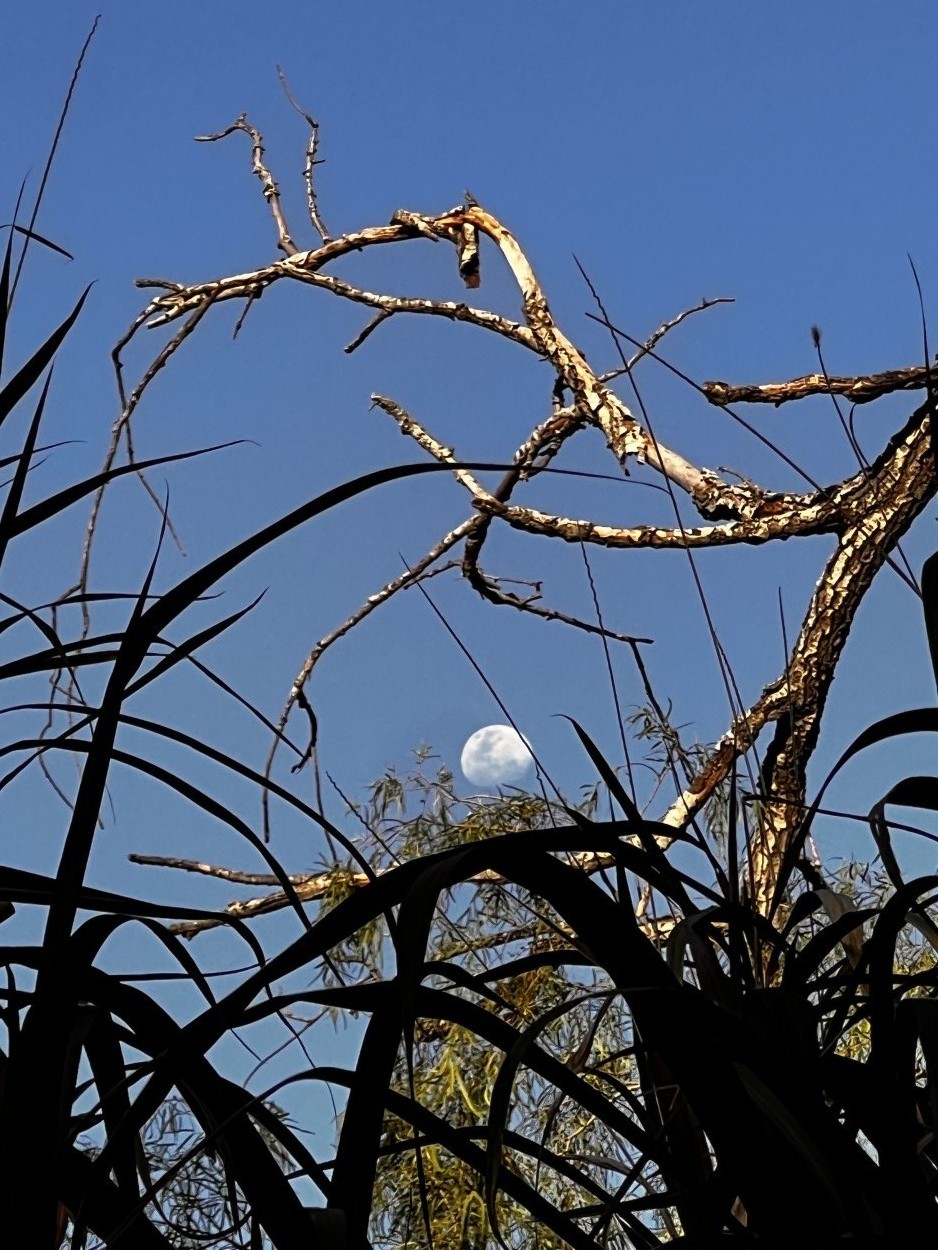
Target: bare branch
[
  {"x": 665, "y": 328},
  {"x": 266, "y": 178},
  {"x": 312, "y": 205},
  {"x": 408, "y": 578},
  {"x": 862, "y": 389},
  {"x": 311, "y": 887},
  {"x": 879, "y": 507},
  {"x": 450, "y": 309},
  {"x": 369, "y": 329},
  {"x": 814, "y": 518},
  {"x": 525, "y": 458},
  {"x": 867, "y": 513},
  {"x": 234, "y": 875}
]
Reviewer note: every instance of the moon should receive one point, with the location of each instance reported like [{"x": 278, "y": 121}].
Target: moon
[{"x": 494, "y": 754}]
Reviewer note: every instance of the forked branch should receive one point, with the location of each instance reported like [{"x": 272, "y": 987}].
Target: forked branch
[{"x": 865, "y": 514}]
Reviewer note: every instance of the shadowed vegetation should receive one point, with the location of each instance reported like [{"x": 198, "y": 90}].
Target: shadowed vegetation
[{"x": 564, "y": 1030}]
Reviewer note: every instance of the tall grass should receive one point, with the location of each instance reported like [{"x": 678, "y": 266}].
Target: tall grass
[
  {"x": 751, "y": 1079},
  {"x": 77, "y": 1036}
]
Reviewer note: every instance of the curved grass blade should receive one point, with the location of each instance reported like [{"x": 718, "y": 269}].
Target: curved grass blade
[
  {"x": 500, "y": 1101},
  {"x": 161, "y": 614},
  {"x": 356, "y": 1158},
  {"x": 457, "y": 1143},
  {"x": 5, "y": 294},
  {"x": 222, "y": 1108},
  {"x": 15, "y": 490},
  {"x": 817, "y": 1165},
  {"x": 106, "y": 1060},
  {"x": 930, "y": 609},
  {"x": 21, "y": 886},
  {"x": 523, "y": 858},
  {"x": 53, "y": 147},
  {"x": 101, "y": 1206},
  {"x": 47, "y": 508},
  {"x": 24, "y": 379},
  {"x": 615, "y": 787},
  {"x": 198, "y": 799},
  {"x": 491, "y": 1028},
  {"x": 805, "y": 963},
  {"x": 916, "y": 720},
  {"x": 35, "y": 237},
  {"x": 52, "y": 659},
  {"x": 185, "y": 650},
  {"x": 920, "y": 792}
]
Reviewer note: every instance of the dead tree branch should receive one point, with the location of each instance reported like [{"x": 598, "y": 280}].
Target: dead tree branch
[
  {"x": 264, "y": 176},
  {"x": 865, "y": 514},
  {"x": 860, "y": 390},
  {"x": 313, "y": 886},
  {"x": 312, "y": 146}
]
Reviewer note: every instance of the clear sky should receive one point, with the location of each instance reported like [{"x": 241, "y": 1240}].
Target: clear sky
[{"x": 783, "y": 155}]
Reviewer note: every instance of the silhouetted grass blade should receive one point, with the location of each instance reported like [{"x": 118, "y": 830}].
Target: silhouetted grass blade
[
  {"x": 615, "y": 787},
  {"x": 24, "y": 379},
  {"x": 15, "y": 489},
  {"x": 43, "y": 511},
  {"x": 35, "y": 237},
  {"x": 5, "y": 296},
  {"x": 929, "y": 584}
]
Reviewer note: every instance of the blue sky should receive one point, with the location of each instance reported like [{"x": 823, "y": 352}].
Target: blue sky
[{"x": 783, "y": 156}]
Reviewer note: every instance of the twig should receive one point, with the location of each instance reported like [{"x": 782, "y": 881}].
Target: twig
[
  {"x": 419, "y": 569},
  {"x": 249, "y": 303},
  {"x": 234, "y": 875},
  {"x": 312, "y": 205},
  {"x": 665, "y": 328},
  {"x": 266, "y": 178},
  {"x": 50, "y": 159},
  {"x": 121, "y": 430},
  {"x": 369, "y": 329},
  {"x": 311, "y": 887},
  {"x": 862, "y": 389}
]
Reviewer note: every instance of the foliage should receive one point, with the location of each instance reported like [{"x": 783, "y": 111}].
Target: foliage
[
  {"x": 775, "y": 1058},
  {"x": 188, "y": 1178}
]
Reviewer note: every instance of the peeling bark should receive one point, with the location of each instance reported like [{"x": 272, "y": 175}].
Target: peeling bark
[{"x": 867, "y": 513}]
